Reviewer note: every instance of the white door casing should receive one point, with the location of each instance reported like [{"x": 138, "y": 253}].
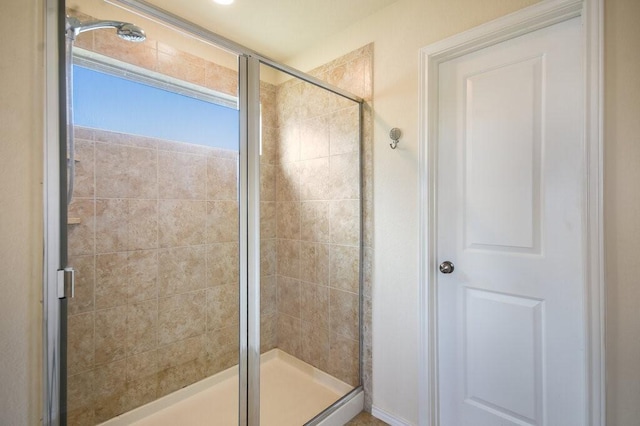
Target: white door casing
[
  {"x": 510, "y": 316},
  {"x": 514, "y": 258}
]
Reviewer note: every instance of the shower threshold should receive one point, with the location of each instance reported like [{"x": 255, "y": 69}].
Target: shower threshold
[{"x": 292, "y": 392}]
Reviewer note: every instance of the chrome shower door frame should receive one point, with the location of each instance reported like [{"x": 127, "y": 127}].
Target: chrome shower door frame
[{"x": 249, "y": 187}]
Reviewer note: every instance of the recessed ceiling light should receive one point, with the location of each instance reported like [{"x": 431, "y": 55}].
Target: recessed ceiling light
[{"x": 225, "y": 2}]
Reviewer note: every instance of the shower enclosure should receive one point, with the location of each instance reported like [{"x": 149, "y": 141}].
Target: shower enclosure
[{"x": 217, "y": 253}]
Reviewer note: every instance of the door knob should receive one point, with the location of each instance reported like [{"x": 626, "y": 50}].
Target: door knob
[{"x": 446, "y": 267}]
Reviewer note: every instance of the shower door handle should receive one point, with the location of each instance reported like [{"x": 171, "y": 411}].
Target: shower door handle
[{"x": 447, "y": 267}]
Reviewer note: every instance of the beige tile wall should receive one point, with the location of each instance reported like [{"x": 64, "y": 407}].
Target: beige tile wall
[
  {"x": 156, "y": 251},
  {"x": 318, "y": 219}
]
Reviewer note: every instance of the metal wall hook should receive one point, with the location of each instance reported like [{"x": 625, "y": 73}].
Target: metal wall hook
[{"x": 395, "y": 135}]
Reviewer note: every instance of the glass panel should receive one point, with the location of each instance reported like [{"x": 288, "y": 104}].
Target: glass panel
[
  {"x": 153, "y": 226},
  {"x": 310, "y": 232}
]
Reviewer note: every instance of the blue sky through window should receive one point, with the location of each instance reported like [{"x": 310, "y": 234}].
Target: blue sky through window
[{"x": 112, "y": 103}]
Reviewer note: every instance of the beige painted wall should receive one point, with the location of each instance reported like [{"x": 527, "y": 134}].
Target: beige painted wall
[
  {"x": 622, "y": 209},
  {"x": 21, "y": 103}
]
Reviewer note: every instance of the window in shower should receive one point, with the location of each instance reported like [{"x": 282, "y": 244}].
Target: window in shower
[{"x": 124, "y": 105}]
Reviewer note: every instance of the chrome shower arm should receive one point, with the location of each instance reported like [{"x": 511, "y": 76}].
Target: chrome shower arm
[{"x": 125, "y": 30}]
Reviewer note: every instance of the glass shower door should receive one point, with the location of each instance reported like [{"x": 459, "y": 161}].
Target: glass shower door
[
  {"x": 310, "y": 248},
  {"x": 153, "y": 226}
]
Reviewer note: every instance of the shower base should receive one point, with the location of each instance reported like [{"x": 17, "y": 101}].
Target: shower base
[{"x": 292, "y": 392}]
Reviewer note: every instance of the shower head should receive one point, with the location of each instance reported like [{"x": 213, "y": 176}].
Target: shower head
[
  {"x": 125, "y": 30},
  {"x": 131, "y": 32}
]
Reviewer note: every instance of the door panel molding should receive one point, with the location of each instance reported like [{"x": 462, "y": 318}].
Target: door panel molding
[{"x": 543, "y": 14}]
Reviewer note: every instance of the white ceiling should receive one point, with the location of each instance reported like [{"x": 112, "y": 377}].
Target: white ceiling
[{"x": 279, "y": 29}]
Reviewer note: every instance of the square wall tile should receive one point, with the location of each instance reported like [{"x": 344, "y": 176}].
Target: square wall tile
[
  {"x": 222, "y": 178},
  {"x": 344, "y": 264},
  {"x": 181, "y": 222},
  {"x": 181, "y": 316},
  {"x": 181, "y": 352},
  {"x": 181, "y": 270},
  {"x": 126, "y": 171},
  {"x": 288, "y": 101},
  {"x": 268, "y": 182},
  {"x": 142, "y": 273},
  {"x": 288, "y": 220},
  {"x": 270, "y": 136},
  {"x": 289, "y": 335},
  {"x": 80, "y": 391},
  {"x": 344, "y": 359},
  {"x": 142, "y": 224},
  {"x": 223, "y": 303},
  {"x": 289, "y": 296},
  {"x": 110, "y": 335},
  {"x": 314, "y": 101},
  {"x": 289, "y": 147},
  {"x": 288, "y": 182},
  {"x": 344, "y": 130},
  {"x": 345, "y": 222},
  {"x": 111, "y": 225},
  {"x": 268, "y": 295},
  {"x": 308, "y": 261},
  {"x": 314, "y": 345},
  {"x": 182, "y": 176},
  {"x": 288, "y": 258},
  {"x": 268, "y": 256},
  {"x": 222, "y": 221},
  {"x": 222, "y": 264},
  {"x": 222, "y": 79},
  {"x": 140, "y": 392},
  {"x": 268, "y": 219},
  {"x": 174, "y": 378},
  {"x": 344, "y": 311},
  {"x": 322, "y": 264},
  {"x": 268, "y": 332},
  {"x": 111, "y": 287},
  {"x": 142, "y": 326},
  {"x": 314, "y": 221},
  {"x": 222, "y": 349},
  {"x": 111, "y": 171},
  {"x": 268, "y": 104},
  {"x": 350, "y": 75},
  {"x": 181, "y": 65},
  {"x": 314, "y": 138},
  {"x": 315, "y": 304},
  {"x": 142, "y": 365},
  {"x": 80, "y": 343},
  {"x": 314, "y": 179},
  {"x": 344, "y": 178}
]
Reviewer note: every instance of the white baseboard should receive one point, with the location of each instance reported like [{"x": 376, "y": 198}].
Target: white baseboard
[{"x": 388, "y": 417}]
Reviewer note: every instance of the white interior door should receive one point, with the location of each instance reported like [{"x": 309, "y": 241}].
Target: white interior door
[{"x": 511, "y": 174}]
